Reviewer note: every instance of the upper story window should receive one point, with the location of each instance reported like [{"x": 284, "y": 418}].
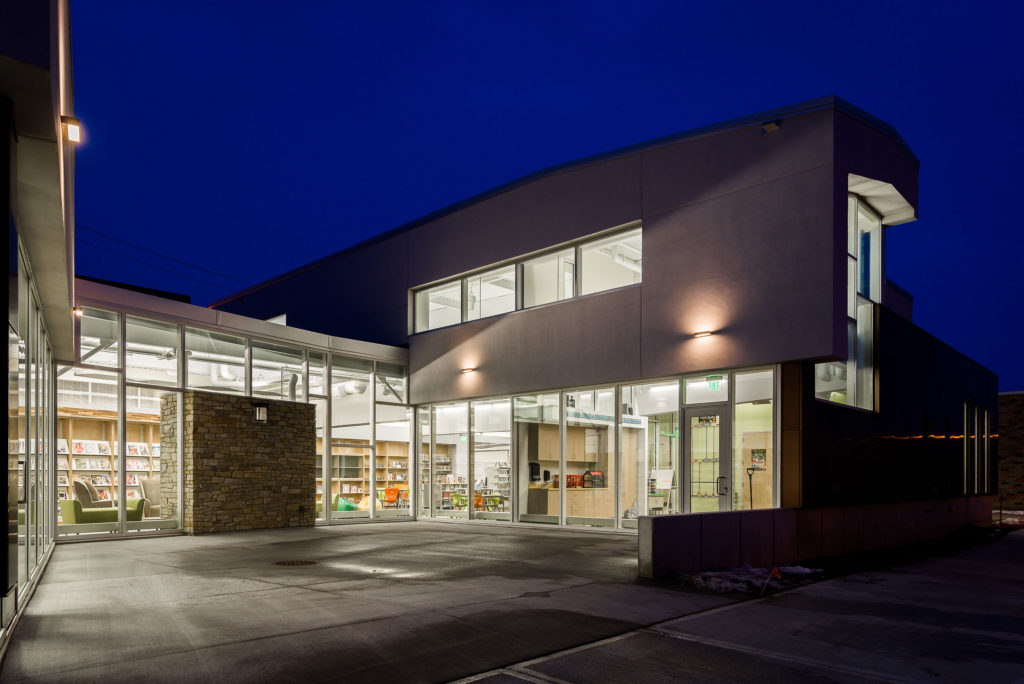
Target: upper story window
[
  {"x": 851, "y": 382},
  {"x": 591, "y": 265},
  {"x": 491, "y": 293}
]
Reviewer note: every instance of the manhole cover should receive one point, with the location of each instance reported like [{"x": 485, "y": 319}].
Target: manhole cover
[{"x": 296, "y": 562}]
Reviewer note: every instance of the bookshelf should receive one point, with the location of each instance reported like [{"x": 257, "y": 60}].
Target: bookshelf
[
  {"x": 87, "y": 449},
  {"x": 352, "y": 472}
]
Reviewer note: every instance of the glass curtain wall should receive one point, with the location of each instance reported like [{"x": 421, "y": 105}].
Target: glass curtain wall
[
  {"x": 425, "y": 440},
  {"x": 88, "y": 450},
  {"x": 536, "y": 418},
  {"x": 590, "y": 466},
  {"x": 326, "y": 502},
  {"x": 277, "y": 372},
  {"x": 351, "y": 443},
  {"x": 649, "y": 445},
  {"x": 316, "y": 367},
  {"x": 106, "y": 483},
  {"x": 216, "y": 362},
  {"x": 671, "y": 446},
  {"x": 753, "y": 441},
  {"x": 392, "y": 463},
  {"x": 451, "y": 461},
  {"x": 30, "y": 484},
  {"x": 151, "y": 351},
  {"x": 17, "y": 428},
  {"x": 152, "y": 463},
  {"x": 393, "y": 446},
  {"x": 492, "y": 460},
  {"x": 159, "y": 359}
]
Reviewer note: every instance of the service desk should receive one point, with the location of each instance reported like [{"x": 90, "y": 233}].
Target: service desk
[{"x": 580, "y": 502}]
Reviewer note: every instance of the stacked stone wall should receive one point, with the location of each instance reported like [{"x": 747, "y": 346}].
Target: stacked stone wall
[
  {"x": 169, "y": 456},
  {"x": 1011, "y": 452},
  {"x": 243, "y": 475}
]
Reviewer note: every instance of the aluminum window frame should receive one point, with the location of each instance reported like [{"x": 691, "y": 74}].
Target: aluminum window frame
[{"x": 518, "y": 263}]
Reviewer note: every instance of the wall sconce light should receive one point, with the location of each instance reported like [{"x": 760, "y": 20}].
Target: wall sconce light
[
  {"x": 465, "y": 371},
  {"x": 77, "y": 311},
  {"x": 72, "y": 128},
  {"x": 770, "y": 126},
  {"x": 702, "y": 333},
  {"x": 260, "y": 412}
]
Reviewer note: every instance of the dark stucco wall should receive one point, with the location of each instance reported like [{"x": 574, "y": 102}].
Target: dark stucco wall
[
  {"x": 912, "y": 446},
  {"x": 744, "y": 235}
]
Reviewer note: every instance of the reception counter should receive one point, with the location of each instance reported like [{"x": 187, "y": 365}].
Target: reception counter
[{"x": 590, "y": 502}]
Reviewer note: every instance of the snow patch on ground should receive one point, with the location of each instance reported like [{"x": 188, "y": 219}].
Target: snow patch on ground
[{"x": 751, "y": 580}]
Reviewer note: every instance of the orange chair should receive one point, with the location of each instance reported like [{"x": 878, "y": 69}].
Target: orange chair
[{"x": 390, "y": 497}]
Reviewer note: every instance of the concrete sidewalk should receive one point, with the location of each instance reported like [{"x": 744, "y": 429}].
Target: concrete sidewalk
[
  {"x": 429, "y": 602},
  {"x": 947, "y": 619},
  {"x": 400, "y": 602}
]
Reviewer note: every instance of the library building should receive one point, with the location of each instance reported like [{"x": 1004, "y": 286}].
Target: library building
[{"x": 692, "y": 340}]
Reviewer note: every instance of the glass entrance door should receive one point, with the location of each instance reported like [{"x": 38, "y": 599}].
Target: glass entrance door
[{"x": 709, "y": 456}]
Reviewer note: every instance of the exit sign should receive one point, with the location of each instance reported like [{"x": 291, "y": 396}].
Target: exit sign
[{"x": 715, "y": 385}]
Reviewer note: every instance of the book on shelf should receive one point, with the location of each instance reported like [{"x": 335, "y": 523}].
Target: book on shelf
[
  {"x": 92, "y": 447},
  {"x": 133, "y": 480},
  {"x": 62, "y": 495},
  {"x": 80, "y": 463},
  {"x": 77, "y": 446},
  {"x": 62, "y": 480},
  {"x": 62, "y": 463},
  {"x": 133, "y": 449},
  {"x": 62, "y": 447},
  {"x": 154, "y": 449},
  {"x": 104, "y": 448},
  {"x": 99, "y": 464}
]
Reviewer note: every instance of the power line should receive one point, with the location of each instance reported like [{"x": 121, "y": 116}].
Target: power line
[
  {"x": 160, "y": 254},
  {"x": 149, "y": 263}
]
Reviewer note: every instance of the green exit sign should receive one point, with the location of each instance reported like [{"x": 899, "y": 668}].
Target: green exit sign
[{"x": 715, "y": 385}]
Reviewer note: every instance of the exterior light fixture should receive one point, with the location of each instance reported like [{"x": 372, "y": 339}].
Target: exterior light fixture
[
  {"x": 770, "y": 126},
  {"x": 72, "y": 128},
  {"x": 260, "y": 412},
  {"x": 465, "y": 371},
  {"x": 702, "y": 333},
  {"x": 77, "y": 311}
]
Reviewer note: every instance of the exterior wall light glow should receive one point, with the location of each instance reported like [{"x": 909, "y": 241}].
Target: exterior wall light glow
[
  {"x": 260, "y": 412},
  {"x": 770, "y": 126},
  {"x": 702, "y": 333},
  {"x": 72, "y": 128},
  {"x": 464, "y": 371},
  {"x": 77, "y": 311}
]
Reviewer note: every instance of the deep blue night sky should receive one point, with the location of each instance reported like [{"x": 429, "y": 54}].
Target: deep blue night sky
[{"x": 250, "y": 138}]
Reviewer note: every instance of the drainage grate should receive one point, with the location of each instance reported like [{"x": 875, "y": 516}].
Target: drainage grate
[{"x": 296, "y": 562}]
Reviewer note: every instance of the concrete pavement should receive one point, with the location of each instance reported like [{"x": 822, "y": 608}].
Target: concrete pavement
[
  {"x": 958, "y": 618},
  {"x": 410, "y": 602},
  {"x": 419, "y": 602}
]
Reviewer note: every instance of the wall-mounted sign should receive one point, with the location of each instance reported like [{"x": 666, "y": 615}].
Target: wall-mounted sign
[{"x": 707, "y": 421}]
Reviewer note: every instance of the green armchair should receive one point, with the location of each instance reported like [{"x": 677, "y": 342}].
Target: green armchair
[
  {"x": 334, "y": 504},
  {"x": 72, "y": 513}
]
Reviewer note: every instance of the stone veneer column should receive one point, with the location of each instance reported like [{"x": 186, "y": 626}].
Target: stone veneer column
[
  {"x": 169, "y": 456},
  {"x": 242, "y": 475}
]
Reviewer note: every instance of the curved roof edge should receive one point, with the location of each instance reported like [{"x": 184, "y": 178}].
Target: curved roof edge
[{"x": 807, "y": 107}]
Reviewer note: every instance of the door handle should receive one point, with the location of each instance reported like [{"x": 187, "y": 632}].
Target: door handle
[{"x": 722, "y": 489}]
